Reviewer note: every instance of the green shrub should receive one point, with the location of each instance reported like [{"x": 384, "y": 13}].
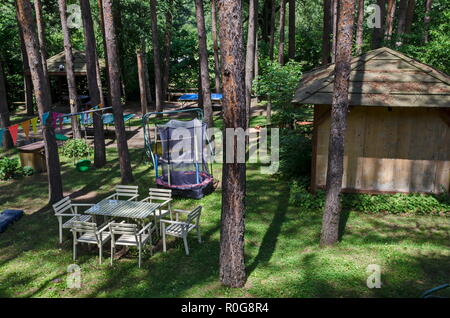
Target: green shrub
[
  {"x": 27, "y": 171},
  {"x": 295, "y": 154},
  {"x": 76, "y": 148},
  {"x": 399, "y": 203},
  {"x": 10, "y": 169}
]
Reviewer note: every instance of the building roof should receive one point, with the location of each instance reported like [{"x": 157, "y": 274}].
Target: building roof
[
  {"x": 382, "y": 77},
  {"x": 54, "y": 63}
]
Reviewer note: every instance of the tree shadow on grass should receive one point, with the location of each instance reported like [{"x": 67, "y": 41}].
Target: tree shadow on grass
[{"x": 270, "y": 239}]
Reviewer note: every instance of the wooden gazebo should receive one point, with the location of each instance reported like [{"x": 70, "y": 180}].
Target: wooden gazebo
[
  {"x": 56, "y": 64},
  {"x": 398, "y": 133}
]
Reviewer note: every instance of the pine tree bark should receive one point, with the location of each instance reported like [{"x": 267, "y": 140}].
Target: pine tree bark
[
  {"x": 272, "y": 30},
  {"x": 41, "y": 38},
  {"x": 27, "y": 83},
  {"x": 282, "y": 32},
  {"x": 167, "y": 47},
  {"x": 105, "y": 49},
  {"x": 43, "y": 99},
  {"x": 41, "y": 32},
  {"x": 147, "y": 77},
  {"x": 327, "y": 30},
  {"x": 401, "y": 26},
  {"x": 95, "y": 93},
  {"x": 232, "y": 266},
  {"x": 141, "y": 76},
  {"x": 378, "y": 33},
  {"x": 114, "y": 78},
  {"x": 390, "y": 19},
  {"x": 217, "y": 87},
  {"x": 291, "y": 49},
  {"x": 410, "y": 16},
  {"x": 426, "y": 20},
  {"x": 339, "y": 110},
  {"x": 117, "y": 16},
  {"x": 156, "y": 56},
  {"x": 204, "y": 72},
  {"x": 71, "y": 81},
  {"x": 334, "y": 14},
  {"x": 250, "y": 55},
  {"x": 360, "y": 27},
  {"x": 4, "y": 111}
]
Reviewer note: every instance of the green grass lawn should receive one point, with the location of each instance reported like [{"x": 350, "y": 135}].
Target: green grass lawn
[{"x": 282, "y": 254}]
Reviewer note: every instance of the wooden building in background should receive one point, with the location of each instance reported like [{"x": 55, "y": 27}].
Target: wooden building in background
[{"x": 398, "y": 132}]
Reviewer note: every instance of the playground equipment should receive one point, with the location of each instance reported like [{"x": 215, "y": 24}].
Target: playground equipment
[{"x": 180, "y": 150}]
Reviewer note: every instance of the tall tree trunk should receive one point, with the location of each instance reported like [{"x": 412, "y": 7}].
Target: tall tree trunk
[
  {"x": 410, "y": 16},
  {"x": 27, "y": 83},
  {"x": 327, "y": 30},
  {"x": 156, "y": 56},
  {"x": 401, "y": 26},
  {"x": 334, "y": 14},
  {"x": 216, "y": 46},
  {"x": 105, "y": 48},
  {"x": 330, "y": 225},
  {"x": 114, "y": 77},
  {"x": 167, "y": 47},
  {"x": 426, "y": 20},
  {"x": 232, "y": 266},
  {"x": 377, "y": 36},
  {"x": 256, "y": 70},
  {"x": 291, "y": 50},
  {"x": 95, "y": 93},
  {"x": 282, "y": 33},
  {"x": 390, "y": 19},
  {"x": 265, "y": 21},
  {"x": 272, "y": 29},
  {"x": 147, "y": 77},
  {"x": 41, "y": 38},
  {"x": 71, "y": 81},
  {"x": 360, "y": 27},
  {"x": 142, "y": 86},
  {"x": 4, "y": 111},
  {"x": 250, "y": 55},
  {"x": 43, "y": 99},
  {"x": 204, "y": 72},
  {"x": 117, "y": 17}
]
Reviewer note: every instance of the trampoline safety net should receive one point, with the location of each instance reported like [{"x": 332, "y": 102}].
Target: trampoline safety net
[{"x": 184, "y": 158}]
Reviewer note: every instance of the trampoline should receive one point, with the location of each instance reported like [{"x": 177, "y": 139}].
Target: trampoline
[{"x": 180, "y": 151}]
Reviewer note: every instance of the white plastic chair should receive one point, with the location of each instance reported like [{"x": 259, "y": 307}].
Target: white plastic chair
[
  {"x": 130, "y": 192},
  {"x": 66, "y": 209},
  {"x": 164, "y": 198},
  {"x": 181, "y": 229},
  {"x": 91, "y": 235},
  {"x": 129, "y": 236}
]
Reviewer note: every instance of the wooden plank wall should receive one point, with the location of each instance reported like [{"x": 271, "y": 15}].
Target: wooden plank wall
[{"x": 390, "y": 150}]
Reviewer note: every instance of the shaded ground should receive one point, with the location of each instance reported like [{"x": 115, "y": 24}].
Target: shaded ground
[
  {"x": 281, "y": 244},
  {"x": 282, "y": 255}
]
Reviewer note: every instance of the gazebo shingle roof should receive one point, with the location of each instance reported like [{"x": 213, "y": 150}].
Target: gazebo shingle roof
[
  {"x": 55, "y": 61},
  {"x": 382, "y": 77}
]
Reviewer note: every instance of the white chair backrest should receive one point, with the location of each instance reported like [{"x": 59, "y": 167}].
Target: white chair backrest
[
  {"x": 194, "y": 215},
  {"x": 63, "y": 205},
  {"x": 160, "y": 194},
  {"x": 123, "y": 228},
  {"x": 84, "y": 227},
  {"x": 127, "y": 190}
]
